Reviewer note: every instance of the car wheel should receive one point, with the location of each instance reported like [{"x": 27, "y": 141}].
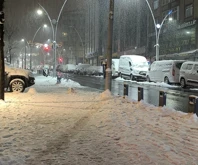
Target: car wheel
[
  {"x": 166, "y": 80},
  {"x": 183, "y": 82},
  {"x": 148, "y": 79},
  {"x": 17, "y": 85}
]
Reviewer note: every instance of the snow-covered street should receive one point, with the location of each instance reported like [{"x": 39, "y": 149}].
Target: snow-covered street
[{"x": 67, "y": 124}]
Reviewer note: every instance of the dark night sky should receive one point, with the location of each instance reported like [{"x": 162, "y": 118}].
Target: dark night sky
[{"x": 22, "y": 14}]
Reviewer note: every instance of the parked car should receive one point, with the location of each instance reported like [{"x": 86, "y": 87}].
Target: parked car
[
  {"x": 114, "y": 67},
  {"x": 94, "y": 70},
  {"x": 189, "y": 74},
  {"x": 18, "y": 79},
  {"x": 133, "y": 66},
  {"x": 81, "y": 69},
  {"x": 165, "y": 71}
]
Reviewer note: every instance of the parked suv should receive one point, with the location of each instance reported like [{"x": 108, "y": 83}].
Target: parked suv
[
  {"x": 18, "y": 79},
  {"x": 189, "y": 74}
]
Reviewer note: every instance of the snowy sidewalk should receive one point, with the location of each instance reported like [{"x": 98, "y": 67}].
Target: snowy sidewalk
[{"x": 87, "y": 128}]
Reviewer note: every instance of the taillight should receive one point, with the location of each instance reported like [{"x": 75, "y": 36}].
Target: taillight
[{"x": 173, "y": 72}]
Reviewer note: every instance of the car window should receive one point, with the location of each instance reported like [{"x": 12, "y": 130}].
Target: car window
[
  {"x": 189, "y": 66},
  {"x": 196, "y": 67}
]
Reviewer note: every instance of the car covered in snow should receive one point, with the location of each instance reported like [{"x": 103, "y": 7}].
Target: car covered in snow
[
  {"x": 16, "y": 79},
  {"x": 81, "y": 69},
  {"x": 94, "y": 70}
]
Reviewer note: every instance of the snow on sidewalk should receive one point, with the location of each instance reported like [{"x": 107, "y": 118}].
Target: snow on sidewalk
[{"x": 79, "y": 127}]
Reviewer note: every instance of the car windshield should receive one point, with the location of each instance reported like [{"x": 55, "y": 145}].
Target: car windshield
[{"x": 141, "y": 64}]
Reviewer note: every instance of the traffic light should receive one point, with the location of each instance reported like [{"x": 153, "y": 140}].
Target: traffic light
[
  {"x": 46, "y": 48},
  {"x": 60, "y": 60}
]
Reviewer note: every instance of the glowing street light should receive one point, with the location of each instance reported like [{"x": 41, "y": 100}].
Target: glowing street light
[
  {"x": 44, "y": 26},
  {"x": 39, "y": 12},
  {"x": 158, "y": 28},
  {"x": 54, "y": 26}
]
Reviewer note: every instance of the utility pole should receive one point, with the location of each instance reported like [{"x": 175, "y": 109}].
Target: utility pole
[
  {"x": 109, "y": 49},
  {"x": 2, "y": 69}
]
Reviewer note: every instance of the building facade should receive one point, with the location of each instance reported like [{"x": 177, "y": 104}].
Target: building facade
[{"x": 178, "y": 38}]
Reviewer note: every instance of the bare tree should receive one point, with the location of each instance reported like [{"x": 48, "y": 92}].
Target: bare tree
[
  {"x": 2, "y": 68},
  {"x": 10, "y": 44}
]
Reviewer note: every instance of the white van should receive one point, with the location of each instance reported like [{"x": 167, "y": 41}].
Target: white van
[
  {"x": 189, "y": 74},
  {"x": 133, "y": 66},
  {"x": 115, "y": 66},
  {"x": 165, "y": 71}
]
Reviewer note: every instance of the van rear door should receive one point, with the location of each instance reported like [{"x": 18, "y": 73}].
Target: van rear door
[{"x": 176, "y": 69}]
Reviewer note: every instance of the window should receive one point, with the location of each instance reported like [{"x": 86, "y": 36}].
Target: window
[
  {"x": 189, "y": 66},
  {"x": 164, "y": 2},
  {"x": 175, "y": 13},
  {"x": 156, "y": 4},
  {"x": 189, "y": 11},
  {"x": 196, "y": 67}
]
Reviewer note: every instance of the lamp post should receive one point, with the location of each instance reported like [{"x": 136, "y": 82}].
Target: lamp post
[
  {"x": 33, "y": 43},
  {"x": 54, "y": 31},
  {"x": 80, "y": 41},
  {"x": 109, "y": 50},
  {"x": 158, "y": 28},
  {"x": 25, "y": 41}
]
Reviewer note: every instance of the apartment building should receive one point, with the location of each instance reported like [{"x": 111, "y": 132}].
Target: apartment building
[{"x": 178, "y": 37}]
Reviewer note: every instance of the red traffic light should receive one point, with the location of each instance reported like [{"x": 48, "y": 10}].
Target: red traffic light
[
  {"x": 46, "y": 47},
  {"x": 60, "y": 59}
]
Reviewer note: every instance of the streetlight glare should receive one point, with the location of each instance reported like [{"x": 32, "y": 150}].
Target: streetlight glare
[
  {"x": 45, "y": 45},
  {"x": 45, "y": 25},
  {"x": 39, "y": 12},
  {"x": 170, "y": 19},
  {"x": 158, "y": 26},
  {"x": 22, "y": 40}
]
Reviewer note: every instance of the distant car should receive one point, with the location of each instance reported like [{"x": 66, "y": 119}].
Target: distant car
[
  {"x": 165, "y": 71},
  {"x": 189, "y": 74},
  {"x": 94, "y": 70},
  {"x": 18, "y": 79},
  {"x": 81, "y": 69}
]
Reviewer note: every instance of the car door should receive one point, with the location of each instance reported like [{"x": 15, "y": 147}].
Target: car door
[
  {"x": 195, "y": 74},
  {"x": 152, "y": 71},
  {"x": 189, "y": 74}
]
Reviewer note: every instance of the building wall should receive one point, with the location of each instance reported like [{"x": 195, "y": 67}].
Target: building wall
[{"x": 178, "y": 37}]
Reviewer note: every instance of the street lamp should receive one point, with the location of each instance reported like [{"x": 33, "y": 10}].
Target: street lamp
[
  {"x": 25, "y": 41},
  {"x": 44, "y": 26},
  {"x": 80, "y": 41},
  {"x": 158, "y": 28},
  {"x": 54, "y": 30}
]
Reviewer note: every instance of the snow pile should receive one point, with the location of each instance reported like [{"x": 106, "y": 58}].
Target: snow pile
[
  {"x": 71, "y": 91},
  {"x": 32, "y": 91},
  {"x": 106, "y": 95},
  {"x": 92, "y": 128}
]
